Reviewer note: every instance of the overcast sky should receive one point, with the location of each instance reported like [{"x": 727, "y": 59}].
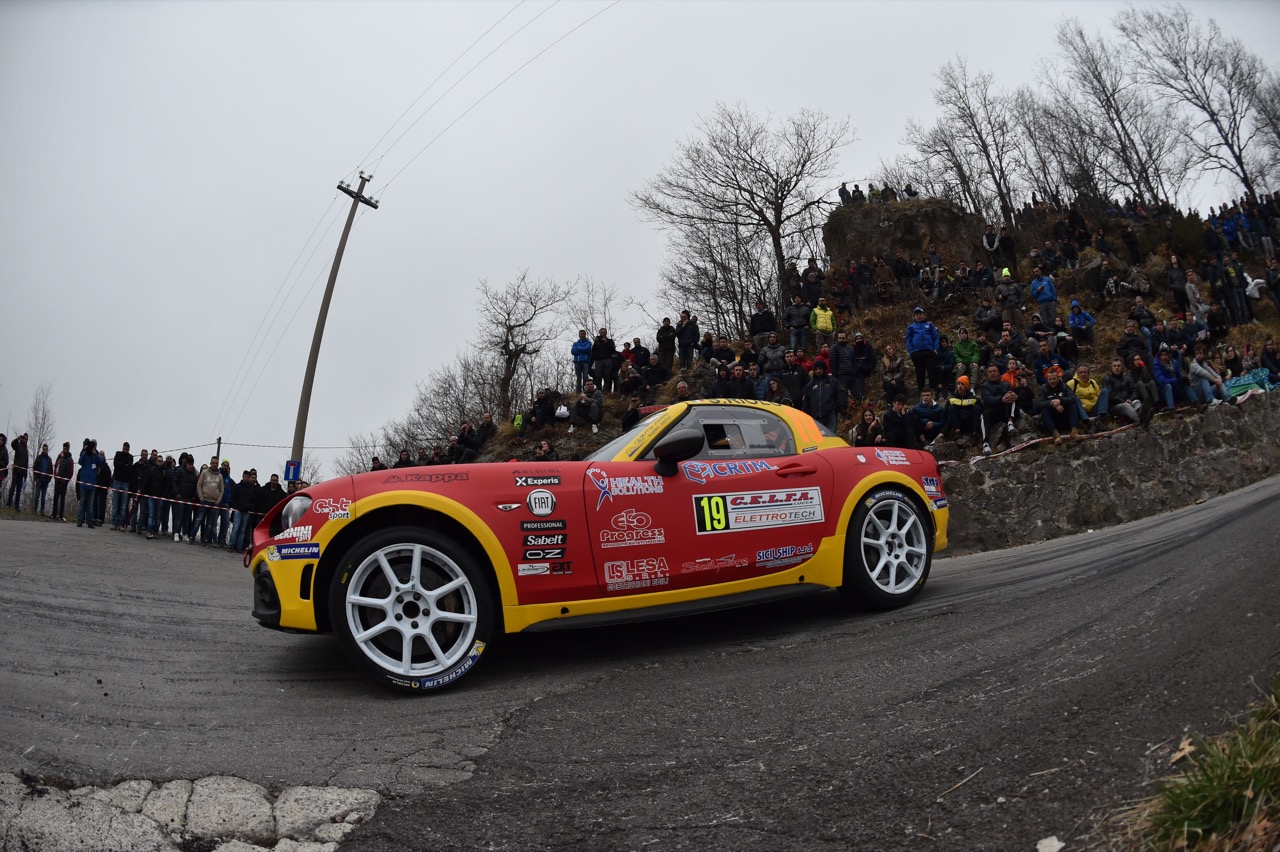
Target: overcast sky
[{"x": 167, "y": 162}]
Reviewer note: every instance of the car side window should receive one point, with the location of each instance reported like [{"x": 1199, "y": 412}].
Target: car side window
[{"x": 738, "y": 433}]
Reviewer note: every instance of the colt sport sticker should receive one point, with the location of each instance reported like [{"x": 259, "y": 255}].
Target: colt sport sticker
[{"x": 753, "y": 510}]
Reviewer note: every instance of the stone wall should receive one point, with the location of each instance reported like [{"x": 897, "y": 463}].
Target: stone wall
[{"x": 1046, "y": 491}]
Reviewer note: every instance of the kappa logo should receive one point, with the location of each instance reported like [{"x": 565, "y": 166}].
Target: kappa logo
[
  {"x": 701, "y": 472},
  {"x": 426, "y": 477},
  {"x": 622, "y": 486}
]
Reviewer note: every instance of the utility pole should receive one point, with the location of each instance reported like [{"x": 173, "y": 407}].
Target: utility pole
[{"x": 304, "y": 403}]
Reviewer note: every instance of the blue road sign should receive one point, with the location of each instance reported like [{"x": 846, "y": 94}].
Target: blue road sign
[{"x": 292, "y": 470}]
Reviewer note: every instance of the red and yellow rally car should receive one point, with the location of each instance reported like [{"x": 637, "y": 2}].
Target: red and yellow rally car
[{"x": 703, "y": 505}]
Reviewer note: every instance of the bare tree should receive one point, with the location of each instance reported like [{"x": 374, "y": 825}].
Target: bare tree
[
  {"x": 1269, "y": 122},
  {"x": 747, "y": 178},
  {"x": 717, "y": 272},
  {"x": 41, "y": 424},
  {"x": 1213, "y": 78},
  {"x": 516, "y": 322},
  {"x": 355, "y": 459},
  {"x": 590, "y": 305},
  {"x": 950, "y": 166},
  {"x": 312, "y": 467},
  {"x": 980, "y": 117}
]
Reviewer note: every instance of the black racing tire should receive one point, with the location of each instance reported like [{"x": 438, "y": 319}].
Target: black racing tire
[
  {"x": 888, "y": 551},
  {"x": 411, "y": 636}
]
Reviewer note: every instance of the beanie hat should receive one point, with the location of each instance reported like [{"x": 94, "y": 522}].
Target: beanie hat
[{"x": 963, "y": 380}]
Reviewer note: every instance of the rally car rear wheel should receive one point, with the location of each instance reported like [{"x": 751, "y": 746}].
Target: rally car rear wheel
[
  {"x": 888, "y": 551},
  {"x": 411, "y": 609}
]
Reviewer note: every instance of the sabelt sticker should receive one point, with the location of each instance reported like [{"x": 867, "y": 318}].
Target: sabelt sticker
[
  {"x": 541, "y": 502},
  {"x": 718, "y": 513},
  {"x": 276, "y": 552},
  {"x": 545, "y": 540}
]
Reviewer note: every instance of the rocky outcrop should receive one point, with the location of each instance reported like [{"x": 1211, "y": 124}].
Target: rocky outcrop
[
  {"x": 1046, "y": 491},
  {"x": 912, "y": 227}
]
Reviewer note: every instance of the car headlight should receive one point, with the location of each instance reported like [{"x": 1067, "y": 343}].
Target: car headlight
[{"x": 294, "y": 510}]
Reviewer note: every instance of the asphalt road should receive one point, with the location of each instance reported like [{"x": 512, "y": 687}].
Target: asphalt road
[{"x": 1048, "y": 682}]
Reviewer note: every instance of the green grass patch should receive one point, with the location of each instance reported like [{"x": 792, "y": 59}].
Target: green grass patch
[{"x": 1228, "y": 794}]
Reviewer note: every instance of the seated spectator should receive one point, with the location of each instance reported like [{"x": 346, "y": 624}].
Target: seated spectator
[
  {"x": 1081, "y": 322},
  {"x": 1011, "y": 341},
  {"x": 720, "y": 387},
  {"x": 1269, "y": 359},
  {"x": 899, "y": 428},
  {"x": 1217, "y": 321},
  {"x": 748, "y": 355},
  {"x": 1132, "y": 343},
  {"x": 963, "y": 412},
  {"x": 998, "y": 406},
  {"x": 1206, "y": 384},
  {"x": 758, "y": 384},
  {"x": 403, "y": 461},
  {"x": 868, "y": 432},
  {"x": 683, "y": 392},
  {"x": 544, "y": 452},
  {"x": 1167, "y": 372},
  {"x": 893, "y": 377},
  {"x": 1038, "y": 333},
  {"x": 541, "y": 413},
  {"x": 631, "y": 416},
  {"x": 628, "y": 381},
  {"x": 987, "y": 318},
  {"x": 775, "y": 392},
  {"x": 1120, "y": 397},
  {"x": 722, "y": 352},
  {"x": 1088, "y": 393},
  {"x": 654, "y": 374},
  {"x": 928, "y": 417},
  {"x": 739, "y": 386},
  {"x": 1064, "y": 344},
  {"x": 1231, "y": 360},
  {"x": 1140, "y": 371},
  {"x": 1057, "y": 407},
  {"x": 589, "y": 408},
  {"x": 1049, "y": 359}
]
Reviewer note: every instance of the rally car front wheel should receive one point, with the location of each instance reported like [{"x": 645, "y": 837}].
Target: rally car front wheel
[{"x": 411, "y": 609}]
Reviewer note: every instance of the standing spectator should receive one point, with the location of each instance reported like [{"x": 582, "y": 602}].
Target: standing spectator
[
  {"x": 763, "y": 323},
  {"x": 666, "y": 337},
  {"x": 43, "y": 472},
  {"x": 796, "y": 319},
  {"x": 403, "y": 461},
  {"x": 138, "y": 521},
  {"x": 376, "y": 464},
  {"x": 922, "y": 347},
  {"x": 87, "y": 482},
  {"x": 991, "y": 245},
  {"x": 1008, "y": 248},
  {"x": 121, "y": 484},
  {"x": 581, "y": 352},
  {"x": 185, "y": 484},
  {"x": 824, "y": 398},
  {"x": 864, "y": 366},
  {"x": 687, "y": 335},
  {"x": 641, "y": 352},
  {"x": 1045, "y": 293},
  {"x": 841, "y": 363},
  {"x": 21, "y": 463},
  {"x": 1009, "y": 298},
  {"x": 603, "y": 367},
  {"x": 155, "y": 488},
  {"x": 823, "y": 322},
  {"x": 773, "y": 356},
  {"x": 4, "y": 460},
  {"x": 269, "y": 496},
  {"x": 63, "y": 469},
  {"x": 103, "y": 490},
  {"x": 1177, "y": 281},
  {"x": 243, "y": 499},
  {"x": 224, "y": 505},
  {"x": 209, "y": 487}
]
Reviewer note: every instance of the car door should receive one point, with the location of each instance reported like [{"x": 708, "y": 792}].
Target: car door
[{"x": 745, "y": 506}]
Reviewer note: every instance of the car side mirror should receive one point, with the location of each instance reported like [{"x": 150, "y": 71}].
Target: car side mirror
[{"x": 674, "y": 448}]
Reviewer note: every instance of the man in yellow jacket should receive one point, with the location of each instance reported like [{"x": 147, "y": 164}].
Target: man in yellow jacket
[
  {"x": 1087, "y": 391},
  {"x": 823, "y": 322}
]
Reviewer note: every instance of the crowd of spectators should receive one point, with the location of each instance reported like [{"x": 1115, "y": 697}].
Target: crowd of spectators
[{"x": 150, "y": 496}]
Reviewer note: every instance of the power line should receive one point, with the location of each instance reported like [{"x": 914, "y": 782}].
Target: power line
[
  {"x": 423, "y": 94},
  {"x": 491, "y": 91}
]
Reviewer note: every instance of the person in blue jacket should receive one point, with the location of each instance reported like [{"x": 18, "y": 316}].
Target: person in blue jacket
[
  {"x": 581, "y": 351},
  {"x": 922, "y": 348},
  {"x": 1045, "y": 292},
  {"x": 1081, "y": 323},
  {"x": 1167, "y": 371},
  {"x": 87, "y": 481}
]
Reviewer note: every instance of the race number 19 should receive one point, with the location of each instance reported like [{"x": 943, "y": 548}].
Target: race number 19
[{"x": 710, "y": 512}]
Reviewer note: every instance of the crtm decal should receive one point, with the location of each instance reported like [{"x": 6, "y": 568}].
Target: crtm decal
[{"x": 702, "y": 472}]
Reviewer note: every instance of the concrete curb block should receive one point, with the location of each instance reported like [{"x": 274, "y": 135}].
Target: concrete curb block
[{"x": 138, "y": 816}]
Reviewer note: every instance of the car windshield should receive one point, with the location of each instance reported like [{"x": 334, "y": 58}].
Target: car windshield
[{"x": 611, "y": 449}]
